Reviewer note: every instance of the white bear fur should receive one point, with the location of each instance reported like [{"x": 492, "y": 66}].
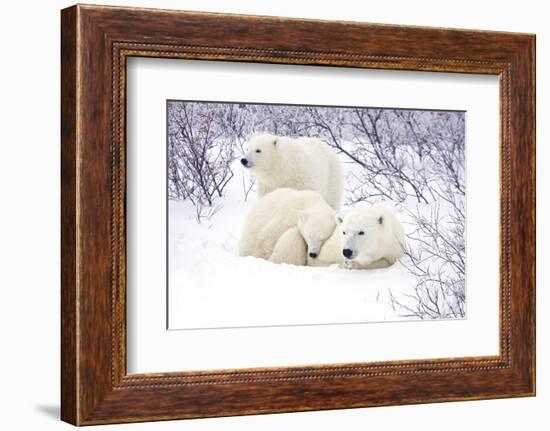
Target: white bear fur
[
  {"x": 380, "y": 244},
  {"x": 277, "y": 212},
  {"x": 291, "y": 248},
  {"x": 303, "y": 164}
]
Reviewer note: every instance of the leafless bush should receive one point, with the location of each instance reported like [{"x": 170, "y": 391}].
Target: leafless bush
[
  {"x": 436, "y": 257},
  {"x": 199, "y": 157},
  {"x": 436, "y": 252}
]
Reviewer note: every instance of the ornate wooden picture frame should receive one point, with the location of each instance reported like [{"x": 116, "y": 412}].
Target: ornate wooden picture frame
[{"x": 96, "y": 41}]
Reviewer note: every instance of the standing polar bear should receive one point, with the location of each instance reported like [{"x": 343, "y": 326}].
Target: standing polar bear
[
  {"x": 368, "y": 237},
  {"x": 302, "y": 164},
  {"x": 283, "y": 213}
]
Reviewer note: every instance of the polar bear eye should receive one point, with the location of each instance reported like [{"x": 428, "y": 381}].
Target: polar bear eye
[
  {"x": 258, "y": 151},
  {"x": 361, "y": 233},
  {"x": 344, "y": 233}
]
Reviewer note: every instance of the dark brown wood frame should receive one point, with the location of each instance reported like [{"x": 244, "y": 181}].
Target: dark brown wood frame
[{"x": 95, "y": 43}]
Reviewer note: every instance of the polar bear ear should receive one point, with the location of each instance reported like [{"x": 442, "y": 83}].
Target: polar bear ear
[
  {"x": 275, "y": 141},
  {"x": 338, "y": 218},
  {"x": 380, "y": 220}
]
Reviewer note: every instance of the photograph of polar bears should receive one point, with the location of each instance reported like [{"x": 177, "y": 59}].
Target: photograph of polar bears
[{"x": 301, "y": 215}]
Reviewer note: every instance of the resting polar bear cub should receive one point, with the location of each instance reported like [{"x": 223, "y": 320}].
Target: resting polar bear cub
[
  {"x": 368, "y": 237},
  {"x": 287, "y": 212},
  {"x": 291, "y": 248},
  {"x": 303, "y": 242},
  {"x": 302, "y": 164}
]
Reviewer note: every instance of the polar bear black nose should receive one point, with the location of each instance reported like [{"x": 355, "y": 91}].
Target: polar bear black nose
[
  {"x": 347, "y": 252},
  {"x": 313, "y": 255},
  {"x": 244, "y": 162}
]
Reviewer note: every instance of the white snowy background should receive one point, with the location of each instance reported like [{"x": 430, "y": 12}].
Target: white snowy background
[{"x": 412, "y": 160}]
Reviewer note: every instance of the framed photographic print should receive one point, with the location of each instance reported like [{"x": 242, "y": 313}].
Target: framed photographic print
[{"x": 265, "y": 214}]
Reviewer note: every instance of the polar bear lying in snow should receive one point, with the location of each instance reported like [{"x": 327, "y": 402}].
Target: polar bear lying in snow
[
  {"x": 301, "y": 218},
  {"x": 368, "y": 236},
  {"x": 302, "y": 164}
]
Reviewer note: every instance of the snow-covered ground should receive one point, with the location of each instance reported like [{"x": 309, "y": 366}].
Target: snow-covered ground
[{"x": 211, "y": 286}]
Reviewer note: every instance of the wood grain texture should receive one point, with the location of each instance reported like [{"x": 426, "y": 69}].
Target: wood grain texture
[
  {"x": 69, "y": 365},
  {"x": 96, "y": 41}
]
